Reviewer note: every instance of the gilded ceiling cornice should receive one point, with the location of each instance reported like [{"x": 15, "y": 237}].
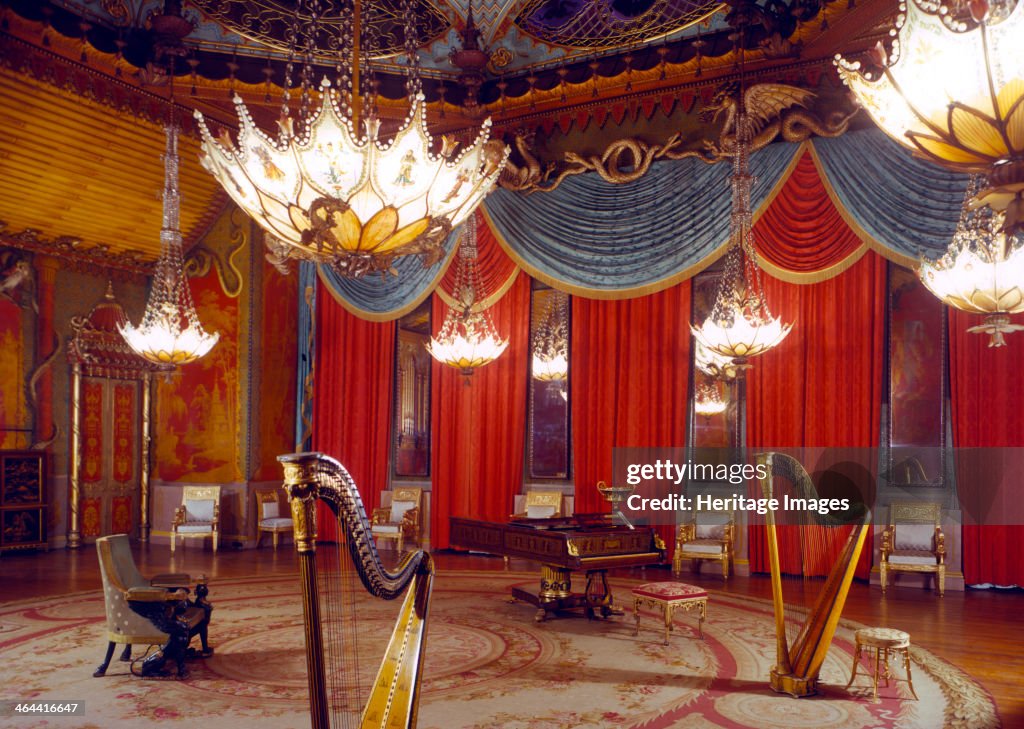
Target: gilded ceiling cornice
[{"x": 98, "y": 260}]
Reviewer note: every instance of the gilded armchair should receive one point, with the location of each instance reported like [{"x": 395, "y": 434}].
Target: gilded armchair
[
  {"x": 402, "y": 519},
  {"x": 708, "y": 535},
  {"x": 913, "y": 542},
  {"x": 198, "y": 515},
  {"x": 151, "y": 612},
  {"x": 269, "y": 517}
]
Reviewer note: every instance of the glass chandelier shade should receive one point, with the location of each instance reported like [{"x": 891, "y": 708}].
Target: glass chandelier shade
[
  {"x": 982, "y": 271},
  {"x": 335, "y": 192},
  {"x": 551, "y": 344},
  {"x": 709, "y": 401},
  {"x": 740, "y": 325},
  {"x": 170, "y": 333},
  {"x": 952, "y": 89},
  {"x": 713, "y": 364},
  {"x": 467, "y": 339}
]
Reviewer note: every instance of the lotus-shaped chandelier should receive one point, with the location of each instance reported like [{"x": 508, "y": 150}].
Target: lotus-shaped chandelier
[
  {"x": 709, "y": 401},
  {"x": 740, "y": 325},
  {"x": 952, "y": 89},
  {"x": 170, "y": 332},
  {"x": 467, "y": 339},
  {"x": 713, "y": 364},
  {"x": 551, "y": 343},
  {"x": 330, "y": 188},
  {"x": 982, "y": 272}
]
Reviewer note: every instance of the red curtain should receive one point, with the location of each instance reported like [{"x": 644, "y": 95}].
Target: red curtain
[
  {"x": 629, "y": 376},
  {"x": 802, "y": 231},
  {"x": 353, "y": 373},
  {"x": 822, "y": 387},
  {"x": 987, "y": 398},
  {"x": 479, "y": 427}
]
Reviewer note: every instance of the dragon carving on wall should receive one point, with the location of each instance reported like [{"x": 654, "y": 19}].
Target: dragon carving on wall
[{"x": 775, "y": 110}]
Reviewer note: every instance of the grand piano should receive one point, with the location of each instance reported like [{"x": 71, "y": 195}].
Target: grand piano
[{"x": 589, "y": 543}]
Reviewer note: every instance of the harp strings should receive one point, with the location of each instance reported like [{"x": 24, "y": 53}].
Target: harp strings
[
  {"x": 338, "y": 584},
  {"x": 819, "y": 544}
]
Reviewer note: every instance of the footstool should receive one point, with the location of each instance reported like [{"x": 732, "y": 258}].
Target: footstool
[
  {"x": 882, "y": 642},
  {"x": 667, "y": 596}
]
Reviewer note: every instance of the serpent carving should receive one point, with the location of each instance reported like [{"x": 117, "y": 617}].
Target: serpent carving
[{"x": 776, "y": 110}]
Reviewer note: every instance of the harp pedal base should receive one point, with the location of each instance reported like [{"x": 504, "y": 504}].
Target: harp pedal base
[{"x": 796, "y": 686}]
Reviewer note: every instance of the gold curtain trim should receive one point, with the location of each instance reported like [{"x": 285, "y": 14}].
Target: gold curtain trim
[
  {"x": 811, "y": 277},
  {"x": 805, "y": 277},
  {"x": 869, "y": 240},
  {"x": 488, "y": 301},
  {"x": 396, "y": 313}
]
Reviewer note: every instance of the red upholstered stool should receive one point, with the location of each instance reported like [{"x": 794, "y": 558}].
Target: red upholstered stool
[{"x": 667, "y": 596}]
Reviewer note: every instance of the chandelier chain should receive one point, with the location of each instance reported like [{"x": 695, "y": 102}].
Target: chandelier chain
[
  {"x": 292, "y": 36},
  {"x": 369, "y": 42},
  {"x": 310, "y": 37},
  {"x": 344, "y": 59},
  {"x": 170, "y": 332},
  {"x": 413, "y": 83}
]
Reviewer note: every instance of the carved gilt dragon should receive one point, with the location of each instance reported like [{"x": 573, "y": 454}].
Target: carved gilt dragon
[{"x": 776, "y": 110}]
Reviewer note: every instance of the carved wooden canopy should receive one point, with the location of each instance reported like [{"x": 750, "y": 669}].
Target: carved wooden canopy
[{"x": 97, "y": 346}]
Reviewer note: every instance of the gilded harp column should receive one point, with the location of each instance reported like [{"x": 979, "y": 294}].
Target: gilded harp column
[
  {"x": 75, "y": 461},
  {"x": 300, "y": 481}
]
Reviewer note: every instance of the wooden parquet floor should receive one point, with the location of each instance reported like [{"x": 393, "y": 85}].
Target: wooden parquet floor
[{"x": 979, "y": 631}]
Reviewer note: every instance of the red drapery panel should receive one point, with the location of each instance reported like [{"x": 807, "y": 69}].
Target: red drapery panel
[
  {"x": 802, "y": 231},
  {"x": 479, "y": 429},
  {"x": 987, "y": 398},
  {"x": 822, "y": 387},
  {"x": 492, "y": 263},
  {"x": 353, "y": 386},
  {"x": 629, "y": 380}
]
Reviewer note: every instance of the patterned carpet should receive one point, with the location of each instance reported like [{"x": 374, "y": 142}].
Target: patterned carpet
[{"x": 489, "y": 666}]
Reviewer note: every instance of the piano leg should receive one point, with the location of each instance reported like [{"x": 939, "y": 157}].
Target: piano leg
[{"x": 598, "y": 595}]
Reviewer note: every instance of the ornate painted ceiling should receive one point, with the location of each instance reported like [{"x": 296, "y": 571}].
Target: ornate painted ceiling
[{"x": 82, "y": 91}]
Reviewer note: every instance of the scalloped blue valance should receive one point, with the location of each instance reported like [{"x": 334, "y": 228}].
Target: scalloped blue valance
[
  {"x": 906, "y": 205},
  {"x": 383, "y": 298},
  {"x": 593, "y": 238},
  {"x": 589, "y": 236}
]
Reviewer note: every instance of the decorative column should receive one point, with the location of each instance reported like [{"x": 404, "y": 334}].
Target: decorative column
[
  {"x": 144, "y": 526},
  {"x": 75, "y": 460},
  {"x": 46, "y": 346}
]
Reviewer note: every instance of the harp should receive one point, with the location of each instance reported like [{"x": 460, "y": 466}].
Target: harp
[
  {"x": 311, "y": 478},
  {"x": 797, "y": 665}
]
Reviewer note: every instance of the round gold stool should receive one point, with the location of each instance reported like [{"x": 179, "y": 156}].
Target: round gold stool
[{"x": 883, "y": 643}]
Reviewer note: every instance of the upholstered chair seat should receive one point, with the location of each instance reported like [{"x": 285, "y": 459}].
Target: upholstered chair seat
[
  {"x": 198, "y": 516},
  {"x": 402, "y": 519},
  {"x": 913, "y": 542},
  {"x": 270, "y": 518},
  {"x": 707, "y": 535}
]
